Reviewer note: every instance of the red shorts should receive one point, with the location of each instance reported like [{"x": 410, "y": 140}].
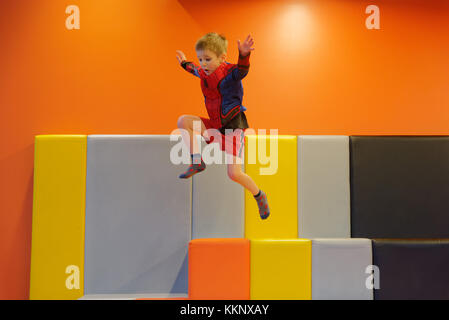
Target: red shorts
[{"x": 231, "y": 143}]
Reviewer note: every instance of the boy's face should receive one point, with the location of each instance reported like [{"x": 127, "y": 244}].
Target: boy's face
[{"x": 209, "y": 61}]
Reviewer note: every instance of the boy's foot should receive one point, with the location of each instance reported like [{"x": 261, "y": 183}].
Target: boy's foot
[
  {"x": 193, "y": 169},
  {"x": 262, "y": 203}
]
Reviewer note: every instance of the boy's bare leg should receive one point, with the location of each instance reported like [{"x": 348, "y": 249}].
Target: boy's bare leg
[
  {"x": 236, "y": 174},
  {"x": 186, "y": 122}
]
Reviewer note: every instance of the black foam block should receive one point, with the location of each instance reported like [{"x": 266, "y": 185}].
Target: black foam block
[
  {"x": 399, "y": 186},
  {"x": 412, "y": 269}
]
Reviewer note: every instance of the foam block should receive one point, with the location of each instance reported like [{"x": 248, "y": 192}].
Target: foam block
[
  {"x": 278, "y": 179},
  {"x": 281, "y": 269},
  {"x": 57, "y": 248},
  {"x": 399, "y": 187},
  {"x": 138, "y": 211},
  {"x": 412, "y": 269},
  {"x": 339, "y": 269},
  {"x": 218, "y": 202},
  {"x": 323, "y": 187},
  {"x": 219, "y": 269}
]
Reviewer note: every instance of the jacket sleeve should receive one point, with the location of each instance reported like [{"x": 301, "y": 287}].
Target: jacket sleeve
[
  {"x": 191, "y": 67},
  {"x": 242, "y": 67}
]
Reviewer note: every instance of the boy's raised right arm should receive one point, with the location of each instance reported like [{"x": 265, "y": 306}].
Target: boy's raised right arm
[{"x": 187, "y": 65}]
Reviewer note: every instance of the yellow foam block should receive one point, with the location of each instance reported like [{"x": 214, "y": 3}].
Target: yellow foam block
[
  {"x": 277, "y": 177},
  {"x": 57, "y": 249},
  {"x": 281, "y": 269}
]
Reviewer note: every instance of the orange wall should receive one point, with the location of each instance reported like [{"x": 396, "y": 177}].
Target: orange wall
[{"x": 316, "y": 70}]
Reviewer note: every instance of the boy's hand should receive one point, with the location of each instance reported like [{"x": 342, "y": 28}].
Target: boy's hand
[
  {"x": 245, "y": 47},
  {"x": 180, "y": 56}
]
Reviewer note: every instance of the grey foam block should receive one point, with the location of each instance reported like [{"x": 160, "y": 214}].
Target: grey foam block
[
  {"x": 218, "y": 202},
  {"x": 138, "y": 216},
  {"x": 339, "y": 269},
  {"x": 323, "y": 187}
]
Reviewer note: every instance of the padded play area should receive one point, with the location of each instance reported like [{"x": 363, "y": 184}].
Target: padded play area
[{"x": 352, "y": 217}]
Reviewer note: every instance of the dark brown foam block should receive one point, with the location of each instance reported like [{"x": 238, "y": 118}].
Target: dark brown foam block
[
  {"x": 412, "y": 269},
  {"x": 399, "y": 186}
]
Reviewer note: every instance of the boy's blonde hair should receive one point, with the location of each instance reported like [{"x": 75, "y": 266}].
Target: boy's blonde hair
[{"x": 214, "y": 42}]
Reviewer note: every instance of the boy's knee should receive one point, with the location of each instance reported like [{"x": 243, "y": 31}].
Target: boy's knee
[
  {"x": 233, "y": 175},
  {"x": 182, "y": 122}
]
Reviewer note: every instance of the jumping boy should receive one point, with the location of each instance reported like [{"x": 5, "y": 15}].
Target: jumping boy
[{"x": 223, "y": 92}]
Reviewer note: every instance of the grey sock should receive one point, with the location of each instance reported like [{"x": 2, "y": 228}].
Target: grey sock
[{"x": 262, "y": 203}]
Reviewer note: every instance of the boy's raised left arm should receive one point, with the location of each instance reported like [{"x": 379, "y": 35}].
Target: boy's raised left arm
[{"x": 245, "y": 49}]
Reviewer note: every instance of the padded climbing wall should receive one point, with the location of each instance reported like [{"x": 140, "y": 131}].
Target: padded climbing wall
[
  {"x": 339, "y": 269},
  {"x": 281, "y": 269},
  {"x": 57, "y": 245},
  {"x": 112, "y": 220},
  {"x": 412, "y": 269},
  {"x": 399, "y": 187},
  {"x": 272, "y": 163},
  {"x": 138, "y": 216},
  {"x": 219, "y": 269},
  {"x": 218, "y": 202},
  {"x": 323, "y": 187}
]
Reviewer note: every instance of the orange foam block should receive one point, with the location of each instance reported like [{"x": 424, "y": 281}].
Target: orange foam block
[{"x": 219, "y": 269}]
